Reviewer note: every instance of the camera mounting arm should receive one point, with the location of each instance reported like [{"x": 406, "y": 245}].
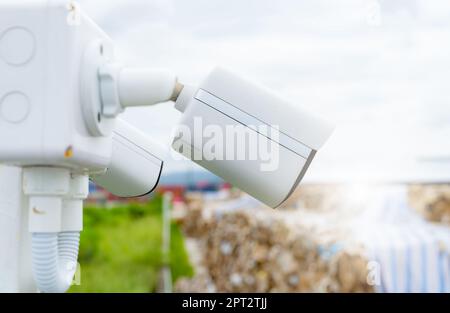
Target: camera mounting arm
[
  {"x": 108, "y": 87},
  {"x": 122, "y": 87}
]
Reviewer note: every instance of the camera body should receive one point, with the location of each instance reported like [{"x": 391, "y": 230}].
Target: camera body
[
  {"x": 273, "y": 141},
  {"x": 136, "y": 163},
  {"x": 42, "y": 48}
]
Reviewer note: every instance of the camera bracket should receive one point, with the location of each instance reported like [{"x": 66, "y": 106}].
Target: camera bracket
[{"x": 97, "y": 55}]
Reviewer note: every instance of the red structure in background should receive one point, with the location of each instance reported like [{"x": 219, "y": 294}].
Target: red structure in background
[
  {"x": 100, "y": 195},
  {"x": 226, "y": 186},
  {"x": 176, "y": 190}
]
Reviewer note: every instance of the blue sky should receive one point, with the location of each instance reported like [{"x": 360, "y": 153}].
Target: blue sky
[{"x": 379, "y": 68}]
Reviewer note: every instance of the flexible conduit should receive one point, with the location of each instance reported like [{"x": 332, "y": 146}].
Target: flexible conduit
[{"x": 54, "y": 258}]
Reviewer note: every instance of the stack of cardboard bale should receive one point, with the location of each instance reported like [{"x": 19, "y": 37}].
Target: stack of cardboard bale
[
  {"x": 432, "y": 201},
  {"x": 251, "y": 248}
]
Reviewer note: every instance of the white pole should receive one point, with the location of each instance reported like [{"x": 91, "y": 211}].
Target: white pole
[
  {"x": 15, "y": 248},
  {"x": 166, "y": 273}
]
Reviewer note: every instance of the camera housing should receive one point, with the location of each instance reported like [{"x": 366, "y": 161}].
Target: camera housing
[
  {"x": 224, "y": 101},
  {"x": 136, "y": 163}
]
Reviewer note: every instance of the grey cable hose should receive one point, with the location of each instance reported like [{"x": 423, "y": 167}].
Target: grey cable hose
[{"x": 54, "y": 259}]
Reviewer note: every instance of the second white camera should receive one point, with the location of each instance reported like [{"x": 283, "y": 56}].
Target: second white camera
[{"x": 250, "y": 137}]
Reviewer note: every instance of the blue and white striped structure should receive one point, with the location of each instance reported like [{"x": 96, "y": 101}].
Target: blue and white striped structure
[{"x": 413, "y": 255}]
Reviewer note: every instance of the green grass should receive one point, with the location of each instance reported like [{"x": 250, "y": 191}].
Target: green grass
[{"x": 120, "y": 249}]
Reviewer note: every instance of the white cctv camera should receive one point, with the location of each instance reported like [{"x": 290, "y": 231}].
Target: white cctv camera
[
  {"x": 248, "y": 136},
  {"x": 136, "y": 163}
]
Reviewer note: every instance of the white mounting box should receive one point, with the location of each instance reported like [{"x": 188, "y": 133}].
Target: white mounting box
[{"x": 42, "y": 48}]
